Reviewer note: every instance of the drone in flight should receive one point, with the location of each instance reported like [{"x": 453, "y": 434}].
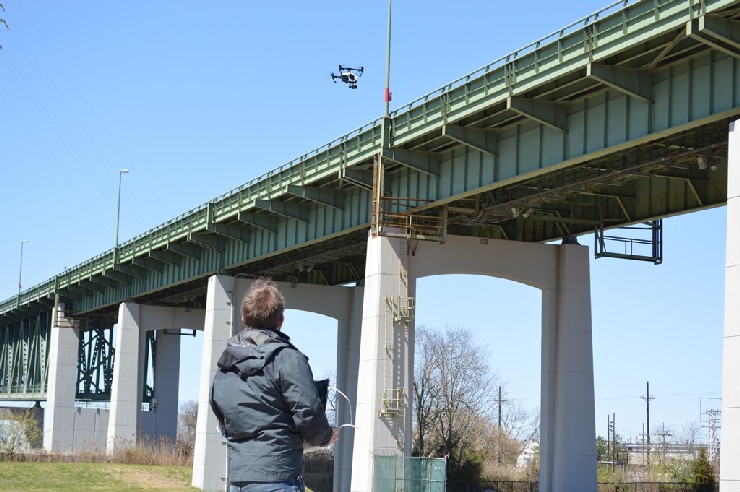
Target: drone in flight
[{"x": 348, "y": 75}]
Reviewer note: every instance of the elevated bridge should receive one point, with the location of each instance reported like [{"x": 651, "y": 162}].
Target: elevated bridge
[{"x": 615, "y": 121}]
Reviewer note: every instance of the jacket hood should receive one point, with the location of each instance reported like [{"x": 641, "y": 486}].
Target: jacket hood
[{"x": 250, "y": 350}]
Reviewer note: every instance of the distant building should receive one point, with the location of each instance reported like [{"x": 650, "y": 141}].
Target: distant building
[{"x": 528, "y": 454}]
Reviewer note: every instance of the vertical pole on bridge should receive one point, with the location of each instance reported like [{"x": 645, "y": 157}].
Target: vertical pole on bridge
[{"x": 729, "y": 473}]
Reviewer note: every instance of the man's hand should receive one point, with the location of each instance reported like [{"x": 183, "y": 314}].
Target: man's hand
[{"x": 334, "y": 435}]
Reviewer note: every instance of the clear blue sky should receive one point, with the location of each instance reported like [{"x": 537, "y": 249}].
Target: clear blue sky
[{"x": 197, "y": 98}]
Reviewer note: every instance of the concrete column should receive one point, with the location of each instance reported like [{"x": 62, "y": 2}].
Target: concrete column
[
  {"x": 162, "y": 419},
  {"x": 382, "y": 434},
  {"x": 221, "y": 322},
  {"x": 729, "y": 471},
  {"x": 128, "y": 375},
  {"x": 59, "y": 413},
  {"x": 167, "y": 322},
  {"x": 348, "y": 365},
  {"x": 567, "y": 437}
]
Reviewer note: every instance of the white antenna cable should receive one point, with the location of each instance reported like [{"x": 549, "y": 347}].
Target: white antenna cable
[{"x": 351, "y": 418}]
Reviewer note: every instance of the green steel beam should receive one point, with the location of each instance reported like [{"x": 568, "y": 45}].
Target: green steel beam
[
  {"x": 634, "y": 83},
  {"x": 720, "y": 34},
  {"x": 186, "y": 249},
  {"x": 131, "y": 269},
  {"x": 284, "y": 209},
  {"x": 166, "y": 256},
  {"x": 149, "y": 263},
  {"x": 483, "y": 140},
  {"x": 358, "y": 177},
  {"x": 322, "y": 196},
  {"x": 118, "y": 275},
  {"x": 208, "y": 240},
  {"x": 554, "y": 115},
  {"x": 105, "y": 281},
  {"x": 267, "y": 223},
  {"x": 230, "y": 231},
  {"x": 423, "y": 162},
  {"x": 92, "y": 286}
]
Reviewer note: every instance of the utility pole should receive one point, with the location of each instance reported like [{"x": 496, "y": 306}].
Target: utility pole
[
  {"x": 663, "y": 435},
  {"x": 647, "y": 399},
  {"x": 713, "y": 445},
  {"x": 611, "y": 438},
  {"x": 614, "y": 440},
  {"x": 500, "y": 430}
]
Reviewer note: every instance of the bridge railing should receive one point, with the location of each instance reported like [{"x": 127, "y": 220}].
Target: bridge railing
[{"x": 516, "y": 71}]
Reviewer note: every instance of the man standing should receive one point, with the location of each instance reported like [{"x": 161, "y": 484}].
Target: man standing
[{"x": 265, "y": 399}]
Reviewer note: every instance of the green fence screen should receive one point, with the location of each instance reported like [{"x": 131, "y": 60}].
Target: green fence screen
[{"x": 399, "y": 474}]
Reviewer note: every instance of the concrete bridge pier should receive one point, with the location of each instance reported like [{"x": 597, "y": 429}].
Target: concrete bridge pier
[
  {"x": 385, "y": 380},
  {"x": 59, "y": 414},
  {"x": 126, "y": 421},
  {"x": 729, "y": 473},
  {"x": 223, "y": 320},
  {"x": 561, "y": 272}
]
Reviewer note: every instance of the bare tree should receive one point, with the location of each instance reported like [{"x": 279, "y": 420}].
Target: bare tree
[
  {"x": 689, "y": 436},
  {"x": 187, "y": 422},
  {"x": 453, "y": 391}
]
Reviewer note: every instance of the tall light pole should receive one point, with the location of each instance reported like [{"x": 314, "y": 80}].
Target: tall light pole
[
  {"x": 118, "y": 214},
  {"x": 20, "y": 273}
]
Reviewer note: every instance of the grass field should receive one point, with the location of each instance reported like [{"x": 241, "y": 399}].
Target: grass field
[{"x": 109, "y": 477}]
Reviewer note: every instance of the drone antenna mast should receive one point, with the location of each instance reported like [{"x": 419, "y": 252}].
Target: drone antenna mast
[
  {"x": 388, "y": 65},
  {"x": 379, "y": 167}
]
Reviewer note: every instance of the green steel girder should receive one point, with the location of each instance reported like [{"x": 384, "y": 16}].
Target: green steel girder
[
  {"x": 166, "y": 256},
  {"x": 423, "y": 162},
  {"x": 483, "y": 140},
  {"x": 80, "y": 290},
  {"x": 208, "y": 240},
  {"x": 231, "y": 231},
  {"x": 118, "y": 275},
  {"x": 105, "y": 281},
  {"x": 131, "y": 270},
  {"x": 554, "y": 115},
  {"x": 186, "y": 249},
  {"x": 149, "y": 263},
  {"x": 633, "y": 82},
  {"x": 720, "y": 34},
  {"x": 267, "y": 223},
  {"x": 358, "y": 177},
  {"x": 285, "y": 209},
  {"x": 92, "y": 286},
  {"x": 323, "y": 196}
]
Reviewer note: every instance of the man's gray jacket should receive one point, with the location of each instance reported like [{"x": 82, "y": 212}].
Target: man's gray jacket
[{"x": 265, "y": 400}]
